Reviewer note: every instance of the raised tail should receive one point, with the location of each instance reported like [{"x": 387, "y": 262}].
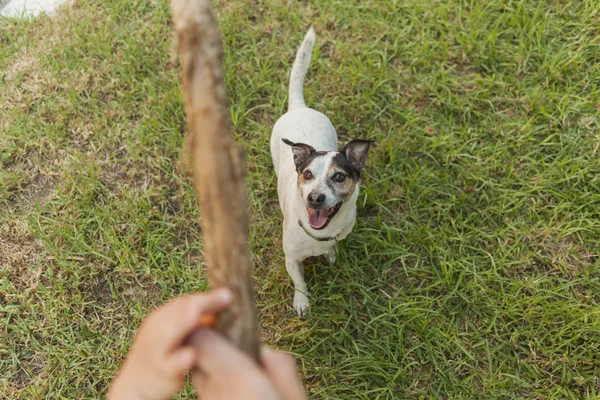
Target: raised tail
[{"x": 299, "y": 69}]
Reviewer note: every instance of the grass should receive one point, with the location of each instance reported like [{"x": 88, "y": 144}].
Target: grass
[{"x": 473, "y": 271}]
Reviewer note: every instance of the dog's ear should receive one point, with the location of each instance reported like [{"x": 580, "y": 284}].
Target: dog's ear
[
  {"x": 301, "y": 151},
  {"x": 356, "y": 152}
]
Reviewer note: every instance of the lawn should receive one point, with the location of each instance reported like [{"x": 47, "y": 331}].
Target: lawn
[{"x": 472, "y": 273}]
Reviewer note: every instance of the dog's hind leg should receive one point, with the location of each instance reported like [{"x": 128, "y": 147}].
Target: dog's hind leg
[{"x": 296, "y": 271}]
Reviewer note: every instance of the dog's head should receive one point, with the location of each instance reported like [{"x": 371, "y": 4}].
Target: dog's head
[{"x": 327, "y": 178}]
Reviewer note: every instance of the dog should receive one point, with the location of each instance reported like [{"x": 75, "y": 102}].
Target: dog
[{"x": 317, "y": 184}]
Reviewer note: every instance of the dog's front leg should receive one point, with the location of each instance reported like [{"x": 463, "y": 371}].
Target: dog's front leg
[
  {"x": 296, "y": 271},
  {"x": 331, "y": 254}
]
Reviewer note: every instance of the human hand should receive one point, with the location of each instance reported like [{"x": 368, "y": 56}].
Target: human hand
[
  {"x": 224, "y": 372},
  {"x": 159, "y": 357}
]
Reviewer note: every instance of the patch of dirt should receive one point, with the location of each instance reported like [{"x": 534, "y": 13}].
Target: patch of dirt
[
  {"x": 100, "y": 292},
  {"x": 26, "y": 82},
  {"x": 140, "y": 288},
  {"x": 31, "y": 368},
  {"x": 36, "y": 190},
  {"x": 25, "y": 61},
  {"x": 20, "y": 250},
  {"x": 565, "y": 252},
  {"x": 36, "y": 186}
]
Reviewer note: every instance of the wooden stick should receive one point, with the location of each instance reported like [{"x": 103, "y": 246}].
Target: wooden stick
[{"x": 218, "y": 168}]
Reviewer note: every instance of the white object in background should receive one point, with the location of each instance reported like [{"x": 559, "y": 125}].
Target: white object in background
[{"x": 28, "y": 8}]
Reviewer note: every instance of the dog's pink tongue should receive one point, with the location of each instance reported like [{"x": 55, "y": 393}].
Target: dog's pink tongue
[{"x": 317, "y": 218}]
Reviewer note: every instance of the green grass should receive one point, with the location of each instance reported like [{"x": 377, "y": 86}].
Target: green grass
[{"x": 473, "y": 271}]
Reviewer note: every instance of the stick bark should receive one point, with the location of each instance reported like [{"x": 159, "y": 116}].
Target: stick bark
[{"x": 217, "y": 167}]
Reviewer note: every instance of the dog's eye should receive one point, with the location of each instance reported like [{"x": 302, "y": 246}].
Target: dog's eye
[
  {"x": 308, "y": 175},
  {"x": 339, "y": 177}
]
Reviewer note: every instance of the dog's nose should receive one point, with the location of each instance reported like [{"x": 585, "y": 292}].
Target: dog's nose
[{"x": 316, "y": 199}]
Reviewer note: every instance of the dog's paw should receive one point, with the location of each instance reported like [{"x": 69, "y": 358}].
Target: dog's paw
[
  {"x": 301, "y": 303},
  {"x": 331, "y": 256}
]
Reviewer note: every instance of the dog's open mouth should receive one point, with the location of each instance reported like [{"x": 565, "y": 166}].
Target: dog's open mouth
[{"x": 318, "y": 219}]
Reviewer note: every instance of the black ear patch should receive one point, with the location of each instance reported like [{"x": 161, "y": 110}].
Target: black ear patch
[
  {"x": 356, "y": 152},
  {"x": 302, "y": 152}
]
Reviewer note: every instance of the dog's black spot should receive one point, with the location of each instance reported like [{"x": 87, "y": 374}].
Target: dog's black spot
[
  {"x": 340, "y": 162},
  {"x": 350, "y": 161}
]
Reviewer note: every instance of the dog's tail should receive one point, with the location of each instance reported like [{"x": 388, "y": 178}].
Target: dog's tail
[{"x": 299, "y": 69}]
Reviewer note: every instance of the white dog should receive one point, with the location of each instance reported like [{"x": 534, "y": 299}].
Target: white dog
[{"x": 317, "y": 185}]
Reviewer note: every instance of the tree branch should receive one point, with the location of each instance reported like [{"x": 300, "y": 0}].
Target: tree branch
[{"x": 217, "y": 168}]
